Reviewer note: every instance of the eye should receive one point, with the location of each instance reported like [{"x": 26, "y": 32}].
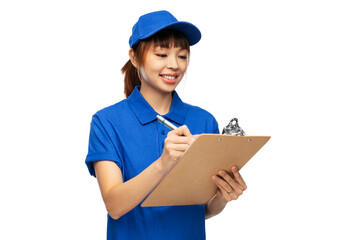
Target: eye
[
  {"x": 184, "y": 57},
  {"x": 161, "y": 55}
]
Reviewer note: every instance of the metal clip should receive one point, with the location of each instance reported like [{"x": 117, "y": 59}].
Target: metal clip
[{"x": 233, "y": 128}]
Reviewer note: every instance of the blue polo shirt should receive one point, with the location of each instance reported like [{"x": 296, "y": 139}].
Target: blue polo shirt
[{"x": 129, "y": 134}]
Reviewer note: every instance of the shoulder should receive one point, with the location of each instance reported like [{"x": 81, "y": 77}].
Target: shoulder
[
  {"x": 199, "y": 112},
  {"x": 201, "y": 120},
  {"x": 111, "y": 118},
  {"x": 113, "y": 111}
]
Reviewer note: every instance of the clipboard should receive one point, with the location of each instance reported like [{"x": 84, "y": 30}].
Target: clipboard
[{"x": 189, "y": 181}]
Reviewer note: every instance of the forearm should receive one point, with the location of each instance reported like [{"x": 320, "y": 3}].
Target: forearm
[
  {"x": 123, "y": 197},
  {"x": 215, "y": 206}
]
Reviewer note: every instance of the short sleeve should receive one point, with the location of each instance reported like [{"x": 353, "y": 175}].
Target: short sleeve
[
  {"x": 101, "y": 146},
  {"x": 215, "y": 126}
]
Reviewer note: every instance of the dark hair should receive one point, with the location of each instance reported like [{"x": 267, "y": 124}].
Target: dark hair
[{"x": 165, "y": 39}]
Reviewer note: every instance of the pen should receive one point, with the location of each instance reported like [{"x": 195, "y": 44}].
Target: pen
[{"x": 166, "y": 122}]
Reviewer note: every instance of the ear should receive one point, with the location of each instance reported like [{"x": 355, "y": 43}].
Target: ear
[{"x": 133, "y": 59}]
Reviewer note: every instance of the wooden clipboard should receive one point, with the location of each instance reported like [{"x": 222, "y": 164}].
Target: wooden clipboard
[{"x": 189, "y": 181}]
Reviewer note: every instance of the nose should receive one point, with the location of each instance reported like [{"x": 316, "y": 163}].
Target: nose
[{"x": 173, "y": 63}]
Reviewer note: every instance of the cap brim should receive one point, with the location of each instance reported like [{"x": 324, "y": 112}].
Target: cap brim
[{"x": 191, "y": 32}]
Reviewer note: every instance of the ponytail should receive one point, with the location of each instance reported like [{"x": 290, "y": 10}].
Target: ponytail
[{"x": 131, "y": 78}]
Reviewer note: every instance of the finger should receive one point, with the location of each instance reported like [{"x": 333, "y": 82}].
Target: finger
[
  {"x": 229, "y": 195},
  {"x": 225, "y": 194},
  {"x": 174, "y": 139},
  {"x": 237, "y": 189},
  {"x": 234, "y": 196},
  {"x": 178, "y": 147},
  {"x": 183, "y": 130},
  {"x": 221, "y": 182},
  {"x": 238, "y": 177},
  {"x": 228, "y": 178},
  {"x": 222, "y": 191}
]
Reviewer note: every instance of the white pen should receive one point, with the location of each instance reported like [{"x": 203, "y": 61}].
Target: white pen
[{"x": 166, "y": 122}]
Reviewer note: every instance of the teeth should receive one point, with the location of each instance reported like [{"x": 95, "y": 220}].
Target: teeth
[{"x": 169, "y": 77}]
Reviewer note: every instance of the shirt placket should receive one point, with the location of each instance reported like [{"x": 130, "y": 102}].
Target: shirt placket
[{"x": 162, "y": 132}]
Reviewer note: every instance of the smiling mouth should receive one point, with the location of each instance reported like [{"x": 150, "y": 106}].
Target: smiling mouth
[{"x": 169, "y": 77}]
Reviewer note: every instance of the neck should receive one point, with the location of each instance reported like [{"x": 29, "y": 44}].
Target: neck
[{"x": 160, "y": 102}]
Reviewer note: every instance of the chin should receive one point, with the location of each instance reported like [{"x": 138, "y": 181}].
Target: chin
[{"x": 167, "y": 89}]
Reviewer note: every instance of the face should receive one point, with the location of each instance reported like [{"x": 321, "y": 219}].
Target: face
[{"x": 163, "y": 68}]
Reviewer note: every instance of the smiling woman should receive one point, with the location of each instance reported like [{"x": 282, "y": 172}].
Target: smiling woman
[{"x": 130, "y": 151}]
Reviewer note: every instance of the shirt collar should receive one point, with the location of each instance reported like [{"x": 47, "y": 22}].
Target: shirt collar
[{"x": 145, "y": 113}]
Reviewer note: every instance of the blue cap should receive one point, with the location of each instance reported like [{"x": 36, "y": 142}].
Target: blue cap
[{"x": 153, "y": 22}]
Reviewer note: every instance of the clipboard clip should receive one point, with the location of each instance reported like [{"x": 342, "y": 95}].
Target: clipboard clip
[{"x": 233, "y": 128}]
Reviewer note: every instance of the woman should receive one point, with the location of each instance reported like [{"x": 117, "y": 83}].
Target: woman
[{"x": 130, "y": 151}]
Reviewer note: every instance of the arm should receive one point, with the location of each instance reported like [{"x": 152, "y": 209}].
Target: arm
[
  {"x": 230, "y": 188},
  {"x": 121, "y": 197}
]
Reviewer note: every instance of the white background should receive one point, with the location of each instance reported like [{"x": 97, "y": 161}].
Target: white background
[{"x": 288, "y": 69}]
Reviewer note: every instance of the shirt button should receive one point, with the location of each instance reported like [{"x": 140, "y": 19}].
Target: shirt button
[{"x": 163, "y": 132}]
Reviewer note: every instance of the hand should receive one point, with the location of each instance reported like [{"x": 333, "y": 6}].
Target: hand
[
  {"x": 230, "y": 187},
  {"x": 175, "y": 144}
]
